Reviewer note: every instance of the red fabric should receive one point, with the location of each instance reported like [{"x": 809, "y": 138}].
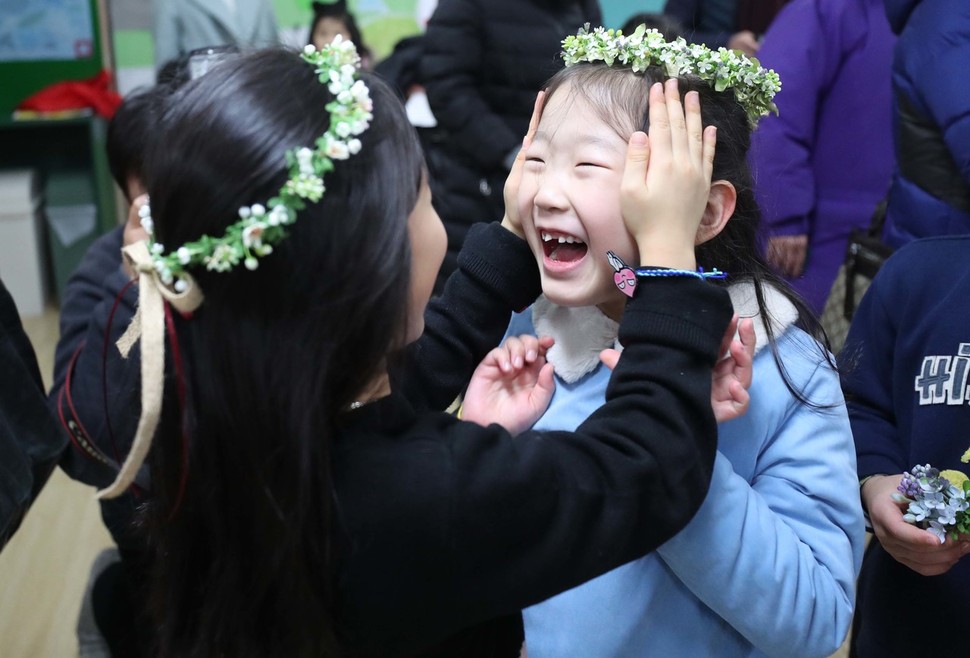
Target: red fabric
[{"x": 95, "y": 93}]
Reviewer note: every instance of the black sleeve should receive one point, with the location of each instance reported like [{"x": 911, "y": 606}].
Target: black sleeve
[
  {"x": 30, "y": 441},
  {"x": 96, "y": 393},
  {"x": 496, "y": 275},
  {"x": 630, "y": 477},
  {"x": 485, "y": 524}
]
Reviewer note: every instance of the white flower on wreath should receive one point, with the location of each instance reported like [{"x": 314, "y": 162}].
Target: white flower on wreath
[
  {"x": 252, "y": 236},
  {"x": 223, "y": 259}
]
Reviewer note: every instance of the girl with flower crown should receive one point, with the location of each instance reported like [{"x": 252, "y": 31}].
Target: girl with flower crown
[
  {"x": 307, "y": 497},
  {"x": 767, "y": 566}
]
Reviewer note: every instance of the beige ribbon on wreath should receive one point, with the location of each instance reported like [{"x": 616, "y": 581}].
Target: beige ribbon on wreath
[{"x": 148, "y": 324}]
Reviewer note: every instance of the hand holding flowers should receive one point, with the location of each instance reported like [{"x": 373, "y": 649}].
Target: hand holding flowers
[{"x": 913, "y": 513}]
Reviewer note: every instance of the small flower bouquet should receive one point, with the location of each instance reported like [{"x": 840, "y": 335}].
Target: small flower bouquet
[{"x": 939, "y": 501}]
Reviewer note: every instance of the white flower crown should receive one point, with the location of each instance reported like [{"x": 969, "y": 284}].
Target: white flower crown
[
  {"x": 259, "y": 227},
  {"x": 754, "y": 86}
]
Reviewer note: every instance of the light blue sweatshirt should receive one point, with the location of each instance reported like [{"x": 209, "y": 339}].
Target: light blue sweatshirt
[{"x": 768, "y": 565}]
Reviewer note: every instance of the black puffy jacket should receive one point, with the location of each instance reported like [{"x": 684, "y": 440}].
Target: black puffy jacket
[{"x": 483, "y": 63}]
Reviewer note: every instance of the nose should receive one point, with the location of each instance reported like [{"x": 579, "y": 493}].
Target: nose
[{"x": 551, "y": 192}]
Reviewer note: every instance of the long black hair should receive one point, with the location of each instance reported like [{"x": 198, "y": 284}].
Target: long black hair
[
  {"x": 620, "y": 98},
  {"x": 243, "y": 509}
]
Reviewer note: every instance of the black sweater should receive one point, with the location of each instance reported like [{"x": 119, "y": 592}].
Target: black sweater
[{"x": 450, "y": 528}]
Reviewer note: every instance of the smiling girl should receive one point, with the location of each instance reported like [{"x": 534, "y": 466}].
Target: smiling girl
[{"x": 768, "y": 564}]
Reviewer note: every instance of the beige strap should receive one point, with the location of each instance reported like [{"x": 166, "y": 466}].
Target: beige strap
[{"x": 148, "y": 325}]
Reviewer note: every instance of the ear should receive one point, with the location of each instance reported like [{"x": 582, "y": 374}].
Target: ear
[{"x": 720, "y": 208}]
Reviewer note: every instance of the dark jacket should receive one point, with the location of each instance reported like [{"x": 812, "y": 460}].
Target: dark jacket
[
  {"x": 905, "y": 366},
  {"x": 930, "y": 193},
  {"x": 30, "y": 442},
  {"x": 484, "y": 62},
  {"x": 96, "y": 393},
  {"x": 469, "y": 523}
]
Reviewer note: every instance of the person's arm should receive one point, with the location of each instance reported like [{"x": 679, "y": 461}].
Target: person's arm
[
  {"x": 496, "y": 275},
  {"x": 100, "y": 407},
  {"x": 494, "y": 523},
  {"x": 880, "y": 447},
  {"x": 796, "y": 534},
  {"x": 30, "y": 441},
  {"x": 804, "y": 45},
  {"x": 451, "y": 70}
]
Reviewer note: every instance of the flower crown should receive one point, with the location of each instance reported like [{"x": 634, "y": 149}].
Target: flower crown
[
  {"x": 754, "y": 86},
  {"x": 260, "y": 227}
]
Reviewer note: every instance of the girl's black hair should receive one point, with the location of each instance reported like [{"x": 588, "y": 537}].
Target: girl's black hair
[
  {"x": 129, "y": 131},
  {"x": 620, "y": 98},
  {"x": 242, "y": 518},
  {"x": 338, "y": 10}
]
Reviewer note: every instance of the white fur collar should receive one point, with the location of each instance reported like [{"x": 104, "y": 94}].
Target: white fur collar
[{"x": 583, "y": 332}]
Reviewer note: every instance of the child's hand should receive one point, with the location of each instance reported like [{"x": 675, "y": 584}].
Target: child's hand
[
  {"x": 511, "y": 220},
  {"x": 133, "y": 231},
  {"x": 667, "y": 179},
  {"x": 913, "y": 547},
  {"x": 512, "y": 386},
  {"x": 732, "y": 375}
]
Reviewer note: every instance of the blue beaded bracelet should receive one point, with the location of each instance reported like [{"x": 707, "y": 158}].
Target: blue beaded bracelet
[{"x": 625, "y": 277}]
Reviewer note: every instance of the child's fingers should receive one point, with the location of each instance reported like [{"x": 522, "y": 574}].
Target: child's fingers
[
  {"x": 728, "y": 338},
  {"x": 695, "y": 127},
  {"x": 678, "y": 123},
  {"x": 740, "y": 397},
  {"x": 545, "y": 387},
  {"x": 536, "y": 114},
  {"x": 710, "y": 143},
  {"x": 500, "y": 358},
  {"x": 659, "y": 121},
  {"x": 637, "y": 161},
  {"x": 743, "y": 351},
  {"x": 517, "y": 349},
  {"x": 610, "y": 358}
]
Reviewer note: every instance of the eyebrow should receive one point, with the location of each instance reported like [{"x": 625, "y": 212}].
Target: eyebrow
[{"x": 584, "y": 140}]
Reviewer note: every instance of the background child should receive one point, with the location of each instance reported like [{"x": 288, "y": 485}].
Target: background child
[
  {"x": 307, "y": 494},
  {"x": 768, "y": 564},
  {"x": 904, "y": 375},
  {"x": 95, "y": 393},
  {"x": 331, "y": 19}
]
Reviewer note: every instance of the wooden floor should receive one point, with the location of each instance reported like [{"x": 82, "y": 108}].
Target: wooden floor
[{"x": 44, "y": 569}]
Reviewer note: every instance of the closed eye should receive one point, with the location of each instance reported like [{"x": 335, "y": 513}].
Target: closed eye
[{"x": 592, "y": 164}]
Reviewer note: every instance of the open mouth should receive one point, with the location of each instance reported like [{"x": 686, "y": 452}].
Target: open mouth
[{"x": 562, "y": 248}]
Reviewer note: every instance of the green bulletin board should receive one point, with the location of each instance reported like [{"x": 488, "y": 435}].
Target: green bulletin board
[{"x": 19, "y": 79}]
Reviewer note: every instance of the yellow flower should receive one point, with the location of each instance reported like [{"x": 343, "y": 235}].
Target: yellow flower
[
  {"x": 956, "y": 478},
  {"x": 966, "y": 456}
]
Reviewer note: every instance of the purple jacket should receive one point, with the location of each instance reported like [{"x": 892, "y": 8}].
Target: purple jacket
[{"x": 826, "y": 160}]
